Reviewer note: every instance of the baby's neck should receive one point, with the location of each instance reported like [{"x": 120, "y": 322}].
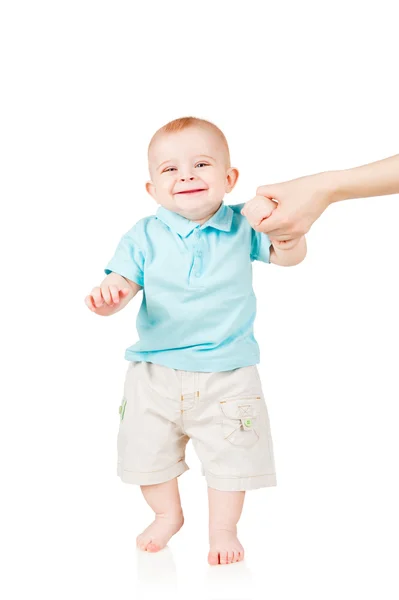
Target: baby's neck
[{"x": 202, "y": 221}]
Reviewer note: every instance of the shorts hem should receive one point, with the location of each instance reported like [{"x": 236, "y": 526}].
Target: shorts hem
[
  {"x": 138, "y": 478},
  {"x": 240, "y": 484}
]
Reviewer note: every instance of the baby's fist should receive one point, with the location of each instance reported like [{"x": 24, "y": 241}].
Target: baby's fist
[{"x": 258, "y": 209}]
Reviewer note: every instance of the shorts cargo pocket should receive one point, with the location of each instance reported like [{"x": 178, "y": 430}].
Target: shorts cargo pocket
[
  {"x": 240, "y": 420},
  {"x": 122, "y": 408}
]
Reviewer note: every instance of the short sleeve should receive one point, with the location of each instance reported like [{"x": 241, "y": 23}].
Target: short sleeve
[
  {"x": 260, "y": 248},
  {"x": 128, "y": 259}
]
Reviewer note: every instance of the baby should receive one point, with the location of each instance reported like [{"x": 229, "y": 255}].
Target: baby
[{"x": 193, "y": 374}]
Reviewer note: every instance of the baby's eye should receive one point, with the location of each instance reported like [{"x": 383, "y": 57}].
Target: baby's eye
[
  {"x": 168, "y": 169},
  {"x": 202, "y": 163}
]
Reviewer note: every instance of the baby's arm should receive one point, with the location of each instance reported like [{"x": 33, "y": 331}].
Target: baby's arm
[{"x": 113, "y": 294}]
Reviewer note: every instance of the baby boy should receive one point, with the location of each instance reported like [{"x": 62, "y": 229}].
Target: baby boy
[{"x": 193, "y": 374}]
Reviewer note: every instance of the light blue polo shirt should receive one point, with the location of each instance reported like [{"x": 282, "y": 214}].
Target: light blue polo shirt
[{"x": 198, "y": 305}]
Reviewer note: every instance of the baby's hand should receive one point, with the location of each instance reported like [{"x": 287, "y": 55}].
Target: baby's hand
[
  {"x": 258, "y": 209},
  {"x": 106, "y": 299}
]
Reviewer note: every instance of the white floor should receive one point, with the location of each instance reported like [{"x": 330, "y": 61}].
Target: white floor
[
  {"x": 313, "y": 536},
  {"x": 313, "y": 542}
]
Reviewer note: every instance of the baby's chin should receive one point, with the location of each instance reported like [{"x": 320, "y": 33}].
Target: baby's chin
[{"x": 197, "y": 210}]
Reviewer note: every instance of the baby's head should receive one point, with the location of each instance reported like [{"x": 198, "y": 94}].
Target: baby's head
[{"x": 189, "y": 165}]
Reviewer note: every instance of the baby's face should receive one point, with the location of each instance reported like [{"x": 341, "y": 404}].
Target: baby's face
[{"x": 189, "y": 172}]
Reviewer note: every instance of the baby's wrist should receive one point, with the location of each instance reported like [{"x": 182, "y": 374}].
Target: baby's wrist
[{"x": 113, "y": 278}]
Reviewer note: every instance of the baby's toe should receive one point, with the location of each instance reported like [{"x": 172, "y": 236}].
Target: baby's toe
[
  {"x": 223, "y": 557},
  {"x": 140, "y": 543},
  {"x": 213, "y": 558},
  {"x": 153, "y": 547},
  {"x": 230, "y": 556}
]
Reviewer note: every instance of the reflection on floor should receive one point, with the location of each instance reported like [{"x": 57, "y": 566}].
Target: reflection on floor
[{"x": 156, "y": 574}]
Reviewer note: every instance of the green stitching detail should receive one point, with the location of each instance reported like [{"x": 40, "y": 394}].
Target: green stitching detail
[{"x": 122, "y": 409}]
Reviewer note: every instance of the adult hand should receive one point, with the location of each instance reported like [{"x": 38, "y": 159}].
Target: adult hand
[{"x": 300, "y": 202}]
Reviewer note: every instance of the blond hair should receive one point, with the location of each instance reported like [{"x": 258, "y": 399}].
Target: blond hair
[{"x": 186, "y": 122}]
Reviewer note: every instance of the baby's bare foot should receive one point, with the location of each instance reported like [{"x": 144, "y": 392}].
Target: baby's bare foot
[
  {"x": 158, "y": 534},
  {"x": 224, "y": 547}
]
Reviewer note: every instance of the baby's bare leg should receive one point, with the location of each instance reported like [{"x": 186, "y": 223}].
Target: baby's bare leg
[
  {"x": 224, "y": 513},
  {"x": 164, "y": 499}
]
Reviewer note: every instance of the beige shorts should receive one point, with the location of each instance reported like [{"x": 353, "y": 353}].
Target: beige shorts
[{"x": 223, "y": 413}]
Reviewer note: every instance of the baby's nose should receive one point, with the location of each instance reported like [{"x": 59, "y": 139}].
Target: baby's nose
[{"x": 188, "y": 178}]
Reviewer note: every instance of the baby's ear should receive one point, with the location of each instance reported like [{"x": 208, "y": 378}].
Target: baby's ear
[
  {"x": 150, "y": 187},
  {"x": 232, "y": 176}
]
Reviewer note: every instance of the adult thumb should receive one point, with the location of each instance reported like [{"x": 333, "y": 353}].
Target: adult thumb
[{"x": 268, "y": 191}]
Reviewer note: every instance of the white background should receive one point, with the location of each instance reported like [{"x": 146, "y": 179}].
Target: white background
[{"x": 297, "y": 88}]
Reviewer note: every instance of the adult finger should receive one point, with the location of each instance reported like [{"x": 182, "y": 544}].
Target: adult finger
[
  {"x": 281, "y": 227},
  {"x": 274, "y": 228},
  {"x": 268, "y": 191}
]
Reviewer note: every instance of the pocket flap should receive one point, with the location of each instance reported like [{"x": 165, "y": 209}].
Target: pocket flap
[{"x": 243, "y": 409}]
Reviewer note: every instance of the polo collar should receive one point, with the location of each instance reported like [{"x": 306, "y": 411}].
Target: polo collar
[{"x": 222, "y": 220}]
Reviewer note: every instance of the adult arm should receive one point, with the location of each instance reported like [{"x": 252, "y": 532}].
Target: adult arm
[{"x": 301, "y": 201}]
